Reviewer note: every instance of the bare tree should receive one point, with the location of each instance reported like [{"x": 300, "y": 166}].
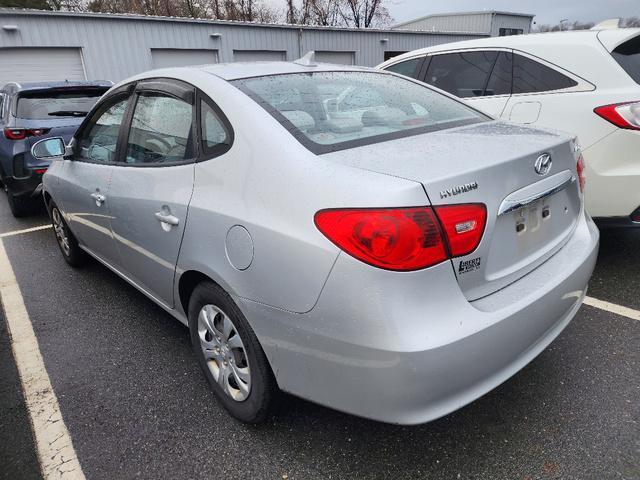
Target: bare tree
[
  {"x": 348, "y": 13},
  {"x": 68, "y": 5},
  {"x": 327, "y": 13},
  {"x": 245, "y": 10},
  {"x": 37, "y": 4},
  {"x": 631, "y": 22},
  {"x": 366, "y": 13},
  {"x": 581, "y": 25},
  {"x": 299, "y": 12}
]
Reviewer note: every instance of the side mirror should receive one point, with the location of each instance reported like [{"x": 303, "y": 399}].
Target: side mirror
[{"x": 48, "y": 148}]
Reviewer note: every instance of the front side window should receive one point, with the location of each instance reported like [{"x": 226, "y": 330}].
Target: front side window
[
  {"x": 408, "y": 68},
  {"x": 628, "y": 56},
  {"x": 98, "y": 141},
  {"x": 161, "y": 130},
  {"x": 463, "y": 74},
  {"x": 530, "y": 76},
  {"x": 328, "y": 111},
  {"x": 57, "y": 103}
]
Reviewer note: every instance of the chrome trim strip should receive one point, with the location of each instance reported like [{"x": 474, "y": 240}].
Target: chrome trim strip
[{"x": 522, "y": 197}]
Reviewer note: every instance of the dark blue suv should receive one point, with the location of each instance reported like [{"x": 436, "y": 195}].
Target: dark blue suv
[{"x": 30, "y": 112}]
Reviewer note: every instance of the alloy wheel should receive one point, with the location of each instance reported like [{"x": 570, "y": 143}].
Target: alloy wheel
[
  {"x": 61, "y": 231},
  {"x": 224, "y": 352}
]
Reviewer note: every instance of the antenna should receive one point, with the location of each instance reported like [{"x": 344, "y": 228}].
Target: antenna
[{"x": 308, "y": 60}]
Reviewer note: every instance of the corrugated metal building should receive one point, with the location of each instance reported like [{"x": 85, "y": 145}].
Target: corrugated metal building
[
  {"x": 493, "y": 23},
  {"x": 40, "y": 46}
]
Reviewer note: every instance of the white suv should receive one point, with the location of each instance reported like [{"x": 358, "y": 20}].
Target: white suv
[{"x": 583, "y": 82}]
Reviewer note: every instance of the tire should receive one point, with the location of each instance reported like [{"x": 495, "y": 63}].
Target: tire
[
  {"x": 67, "y": 242},
  {"x": 252, "y": 400},
  {"x": 19, "y": 206}
]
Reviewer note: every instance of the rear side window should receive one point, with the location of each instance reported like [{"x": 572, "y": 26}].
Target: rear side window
[
  {"x": 628, "y": 56},
  {"x": 500, "y": 80},
  {"x": 462, "y": 74},
  {"x": 530, "y": 76},
  {"x": 409, "y": 68},
  {"x": 215, "y": 134},
  {"x": 53, "y": 104},
  {"x": 329, "y": 111}
]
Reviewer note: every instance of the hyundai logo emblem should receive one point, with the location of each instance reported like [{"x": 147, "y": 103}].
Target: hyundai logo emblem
[{"x": 543, "y": 164}]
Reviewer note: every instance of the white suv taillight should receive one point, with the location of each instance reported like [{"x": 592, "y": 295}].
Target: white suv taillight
[{"x": 624, "y": 115}]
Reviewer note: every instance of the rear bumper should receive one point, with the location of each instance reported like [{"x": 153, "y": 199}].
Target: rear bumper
[
  {"x": 613, "y": 176},
  {"x": 30, "y": 185},
  {"x": 408, "y": 348}
]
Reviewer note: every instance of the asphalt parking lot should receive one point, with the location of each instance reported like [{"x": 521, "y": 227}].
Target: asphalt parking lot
[{"x": 137, "y": 406}]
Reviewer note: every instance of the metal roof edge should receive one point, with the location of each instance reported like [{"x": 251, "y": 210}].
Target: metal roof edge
[{"x": 450, "y": 14}]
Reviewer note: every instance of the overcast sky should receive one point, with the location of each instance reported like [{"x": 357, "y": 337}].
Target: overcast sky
[{"x": 546, "y": 11}]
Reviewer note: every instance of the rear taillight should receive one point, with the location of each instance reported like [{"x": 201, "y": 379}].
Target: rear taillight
[
  {"x": 624, "y": 115},
  {"x": 404, "y": 239},
  {"x": 22, "y": 133},
  {"x": 463, "y": 226},
  {"x": 582, "y": 178}
]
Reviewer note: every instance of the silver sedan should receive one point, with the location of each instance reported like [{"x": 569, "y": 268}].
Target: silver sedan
[{"x": 347, "y": 235}]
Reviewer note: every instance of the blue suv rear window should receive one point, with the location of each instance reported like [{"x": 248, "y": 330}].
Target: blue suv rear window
[{"x": 51, "y": 104}]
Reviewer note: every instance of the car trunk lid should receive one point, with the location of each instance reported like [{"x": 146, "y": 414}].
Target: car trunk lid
[{"x": 491, "y": 163}]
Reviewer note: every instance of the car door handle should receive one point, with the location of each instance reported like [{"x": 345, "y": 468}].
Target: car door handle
[
  {"x": 167, "y": 218},
  {"x": 98, "y": 197}
]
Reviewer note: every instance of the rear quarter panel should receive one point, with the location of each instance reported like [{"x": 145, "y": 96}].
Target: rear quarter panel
[{"x": 273, "y": 186}]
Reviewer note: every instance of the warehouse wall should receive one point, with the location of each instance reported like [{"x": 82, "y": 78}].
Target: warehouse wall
[
  {"x": 451, "y": 23},
  {"x": 481, "y": 22},
  {"x": 503, "y": 21},
  {"x": 117, "y": 46}
]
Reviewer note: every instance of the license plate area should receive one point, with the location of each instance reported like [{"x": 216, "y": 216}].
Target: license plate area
[
  {"x": 532, "y": 217},
  {"x": 525, "y": 235}
]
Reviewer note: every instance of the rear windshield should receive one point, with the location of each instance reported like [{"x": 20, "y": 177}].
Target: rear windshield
[
  {"x": 329, "y": 111},
  {"x": 628, "y": 56},
  {"x": 52, "y": 104}
]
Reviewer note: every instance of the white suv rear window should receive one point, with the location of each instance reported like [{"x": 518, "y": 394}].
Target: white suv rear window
[{"x": 628, "y": 56}]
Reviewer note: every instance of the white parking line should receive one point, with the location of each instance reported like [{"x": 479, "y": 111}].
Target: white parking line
[
  {"x": 613, "y": 308},
  {"x": 26, "y": 230},
  {"x": 58, "y": 459}
]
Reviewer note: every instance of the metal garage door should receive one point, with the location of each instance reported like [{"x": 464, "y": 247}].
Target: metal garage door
[
  {"x": 258, "y": 55},
  {"x": 34, "y": 64},
  {"x": 182, "y": 57},
  {"x": 341, "y": 58}
]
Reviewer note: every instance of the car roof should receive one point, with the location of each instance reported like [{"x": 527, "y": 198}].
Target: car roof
[
  {"x": 22, "y": 87},
  {"x": 525, "y": 41},
  {"x": 237, "y": 70}
]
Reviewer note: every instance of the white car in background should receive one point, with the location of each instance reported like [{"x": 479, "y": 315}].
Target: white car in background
[{"x": 583, "y": 82}]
